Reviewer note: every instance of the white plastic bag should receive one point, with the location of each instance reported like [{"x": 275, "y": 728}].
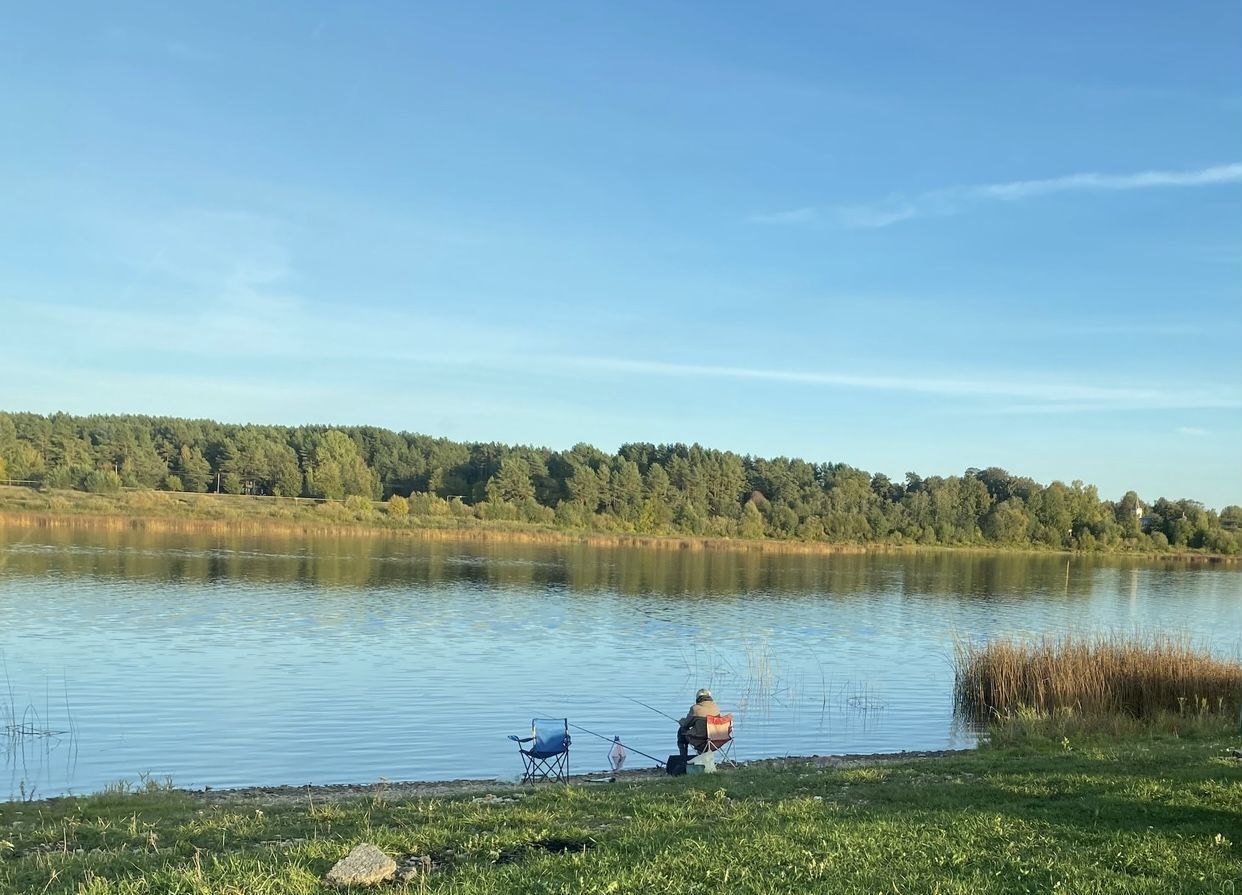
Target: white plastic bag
[{"x": 616, "y": 755}]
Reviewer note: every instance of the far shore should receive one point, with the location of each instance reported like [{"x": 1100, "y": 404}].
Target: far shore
[{"x": 184, "y": 513}]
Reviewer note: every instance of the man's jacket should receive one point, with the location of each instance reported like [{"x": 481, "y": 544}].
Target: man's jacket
[{"x": 695, "y": 722}]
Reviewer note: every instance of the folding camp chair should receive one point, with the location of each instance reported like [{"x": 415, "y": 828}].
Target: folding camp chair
[
  {"x": 719, "y": 739},
  {"x": 548, "y": 758}
]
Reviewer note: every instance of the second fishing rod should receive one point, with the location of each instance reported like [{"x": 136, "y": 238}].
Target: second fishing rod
[
  {"x": 659, "y": 762},
  {"x": 652, "y": 708}
]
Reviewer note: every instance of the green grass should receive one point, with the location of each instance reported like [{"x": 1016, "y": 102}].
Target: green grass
[
  {"x": 1150, "y": 812},
  {"x": 1027, "y": 727}
]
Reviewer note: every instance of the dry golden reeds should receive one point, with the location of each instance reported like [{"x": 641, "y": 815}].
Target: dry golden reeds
[
  {"x": 425, "y": 529},
  {"x": 1094, "y": 676}
]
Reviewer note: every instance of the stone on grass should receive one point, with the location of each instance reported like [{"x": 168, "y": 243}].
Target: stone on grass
[
  {"x": 365, "y": 865},
  {"x": 414, "y": 866}
]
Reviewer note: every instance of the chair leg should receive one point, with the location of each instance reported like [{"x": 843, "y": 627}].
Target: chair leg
[
  {"x": 553, "y": 769},
  {"x": 723, "y": 754}
]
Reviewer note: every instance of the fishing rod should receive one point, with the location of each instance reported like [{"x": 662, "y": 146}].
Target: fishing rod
[
  {"x": 653, "y": 708},
  {"x": 611, "y": 740}
]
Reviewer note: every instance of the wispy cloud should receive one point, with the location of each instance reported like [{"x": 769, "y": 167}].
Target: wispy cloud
[
  {"x": 867, "y": 217},
  {"x": 144, "y": 41},
  {"x": 792, "y": 216},
  {"x": 1021, "y": 189},
  {"x": 954, "y": 200},
  {"x": 249, "y": 321},
  {"x": 187, "y": 52},
  {"x": 1193, "y": 431},
  {"x": 223, "y": 285},
  {"x": 1032, "y": 395}
]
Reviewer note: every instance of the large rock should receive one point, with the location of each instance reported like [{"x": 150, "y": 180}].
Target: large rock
[{"x": 365, "y": 865}]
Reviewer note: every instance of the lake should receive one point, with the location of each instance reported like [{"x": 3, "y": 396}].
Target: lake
[{"x": 241, "y": 660}]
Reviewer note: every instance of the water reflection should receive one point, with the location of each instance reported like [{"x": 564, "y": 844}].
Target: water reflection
[
  {"x": 242, "y": 660},
  {"x": 367, "y": 562}
]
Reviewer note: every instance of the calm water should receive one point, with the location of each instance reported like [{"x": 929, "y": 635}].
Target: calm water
[{"x": 229, "y": 661}]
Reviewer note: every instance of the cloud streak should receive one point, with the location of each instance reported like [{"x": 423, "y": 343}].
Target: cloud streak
[
  {"x": 792, "y": 216},
  {"x": 1021, "y": 189},
  {"x": 955, "y": 200},
  {"x": 1036, "y": 396}
]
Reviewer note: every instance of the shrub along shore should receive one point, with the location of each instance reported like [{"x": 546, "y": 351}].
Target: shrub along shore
[
  {"x": 1041, "y": 809},
  {"x": 643, "y": 489},
  {"x": 188, "y": 513}
]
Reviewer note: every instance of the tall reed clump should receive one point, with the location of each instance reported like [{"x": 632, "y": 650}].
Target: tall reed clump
[{"x": 1094, "y": 677}]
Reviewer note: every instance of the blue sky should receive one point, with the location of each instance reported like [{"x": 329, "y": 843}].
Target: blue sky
[{"x": 902, "y": 236}]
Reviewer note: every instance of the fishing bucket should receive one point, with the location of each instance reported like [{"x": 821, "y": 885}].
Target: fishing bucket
[{"x": 702, "y": 764}]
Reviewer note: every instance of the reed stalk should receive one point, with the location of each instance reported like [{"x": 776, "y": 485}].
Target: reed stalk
[{"x": 1094, "y": 676}]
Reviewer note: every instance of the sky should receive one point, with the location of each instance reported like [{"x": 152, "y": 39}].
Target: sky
[{"x": 902, "y": 236}]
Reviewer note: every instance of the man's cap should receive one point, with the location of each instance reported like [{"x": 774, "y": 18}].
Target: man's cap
[{"x": 703, "y": 694}]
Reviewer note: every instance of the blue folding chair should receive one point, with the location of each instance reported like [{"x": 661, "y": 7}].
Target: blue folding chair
[{"x": 548, "y": 758}]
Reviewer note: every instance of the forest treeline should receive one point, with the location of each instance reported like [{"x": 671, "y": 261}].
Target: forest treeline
[{"x": 642, "y": 488}]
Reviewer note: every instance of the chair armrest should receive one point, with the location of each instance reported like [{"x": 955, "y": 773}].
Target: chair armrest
[{"x": 522, "y": 740}]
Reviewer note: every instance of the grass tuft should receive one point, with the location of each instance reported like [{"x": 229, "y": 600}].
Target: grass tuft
[{"x": 1064, "y": 727}]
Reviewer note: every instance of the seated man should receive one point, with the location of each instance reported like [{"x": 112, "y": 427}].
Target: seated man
[{"x": 692, "y": 729}]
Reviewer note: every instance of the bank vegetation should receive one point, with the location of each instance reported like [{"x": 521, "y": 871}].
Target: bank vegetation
[
  {"x": 1153, "y": 679},
  {"x": 325, "y": 477}
]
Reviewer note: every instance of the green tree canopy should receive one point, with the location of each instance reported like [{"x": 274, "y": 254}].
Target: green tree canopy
[
  {"x": 511, "y": 483},
  {"x": 338, "y": 469},
  {"x": 654, "y": 488}
]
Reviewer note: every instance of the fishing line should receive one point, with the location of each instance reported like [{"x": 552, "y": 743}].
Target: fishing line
[
  {"x": 652, "y": 708},
  {"x": 611, "y": 740},
  {"x": 658, "y": 761}
]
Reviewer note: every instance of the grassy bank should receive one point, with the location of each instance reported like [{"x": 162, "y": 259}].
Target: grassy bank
[
  {"x": 163, "y": 511},
  {"x": 1150, "y": 813},
  {"x": 180, "y": 512}
]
